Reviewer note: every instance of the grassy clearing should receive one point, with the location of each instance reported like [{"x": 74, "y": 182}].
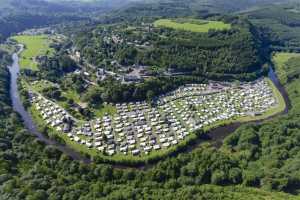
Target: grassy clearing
[
  {"x": 71, "y": 94},
  {"x": 280, "y": 60},
  {"x": 193, "y": 25},
  {"x": 102, "y": 110},
  {"x": 34, "y": 46},
  {"x": 41, "y": 85}
]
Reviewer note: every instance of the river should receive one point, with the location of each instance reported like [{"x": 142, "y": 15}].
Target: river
[
  {"x": 215, "y": 135},
  {"x": 27, "y": 119}
]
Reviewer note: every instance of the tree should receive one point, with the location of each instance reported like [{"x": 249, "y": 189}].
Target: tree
[
  {"x": 235, "y": 175},
  {"x": 150, "y": 95},
  {"x": 218, "y": 177},
  {"x": 52, "y": 92},
  {"x": 93, "y": 96},
  {"x": 37, "y": 195},
  {"x": 1, "y": 38}
]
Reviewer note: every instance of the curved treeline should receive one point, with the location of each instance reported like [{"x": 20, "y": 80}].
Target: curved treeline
[{"x": 4, "y": 81}]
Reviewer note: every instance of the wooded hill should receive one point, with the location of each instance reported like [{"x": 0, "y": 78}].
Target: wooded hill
[
  {"x": 18, "y": 15},
  {"x": 230, "y": 51},
  {"x": 196, "y": 8},
  {"x": 279, "y": 24}
]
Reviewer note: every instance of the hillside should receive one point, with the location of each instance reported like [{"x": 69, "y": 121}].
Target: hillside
[
  {"x": 18, "y": 15},
  {"x": 279, "y": 24},
  {"x": 172, "y": 8}
]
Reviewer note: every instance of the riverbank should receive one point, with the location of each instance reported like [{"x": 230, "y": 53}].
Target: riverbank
[
  {"x": 26, "y": 117},
  {"x": 33, "y": 46}
]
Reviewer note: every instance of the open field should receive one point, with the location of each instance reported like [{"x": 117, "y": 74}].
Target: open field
[
  {"x": 34, "y": 46},
  {"x": 193, "y": 25},
  {"x": 102, "y": 110}
]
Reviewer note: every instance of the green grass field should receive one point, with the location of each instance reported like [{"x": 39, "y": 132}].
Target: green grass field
[
  {"x": 34, "y": 46},
  {"x": 103, "y": 109},
  {"x": 201, "y": 26}
]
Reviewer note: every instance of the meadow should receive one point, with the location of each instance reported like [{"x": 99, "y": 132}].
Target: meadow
[
  {"x": 34, "y": 46},
  {"x": 194, "y": 25}
]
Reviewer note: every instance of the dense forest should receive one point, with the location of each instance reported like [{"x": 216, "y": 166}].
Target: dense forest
[
  {"x": 279, "y": 25},
  {"x": 226, "y": 52},
  {"x": 175, "y": 8},
  {"x": 18, "y": 15}
]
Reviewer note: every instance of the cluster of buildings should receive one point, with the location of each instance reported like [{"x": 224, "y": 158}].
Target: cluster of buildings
[
  {"x": 126, "y": 74},
  {"x": 139, "y": 128},
  {"x": 38, "y": 31},
  {"x": 53, "y": 115}
]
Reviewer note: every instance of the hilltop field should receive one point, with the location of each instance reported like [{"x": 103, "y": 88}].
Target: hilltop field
[
  {"x": 193, "y": 25},
  {"x": 35, "y": 45}
]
